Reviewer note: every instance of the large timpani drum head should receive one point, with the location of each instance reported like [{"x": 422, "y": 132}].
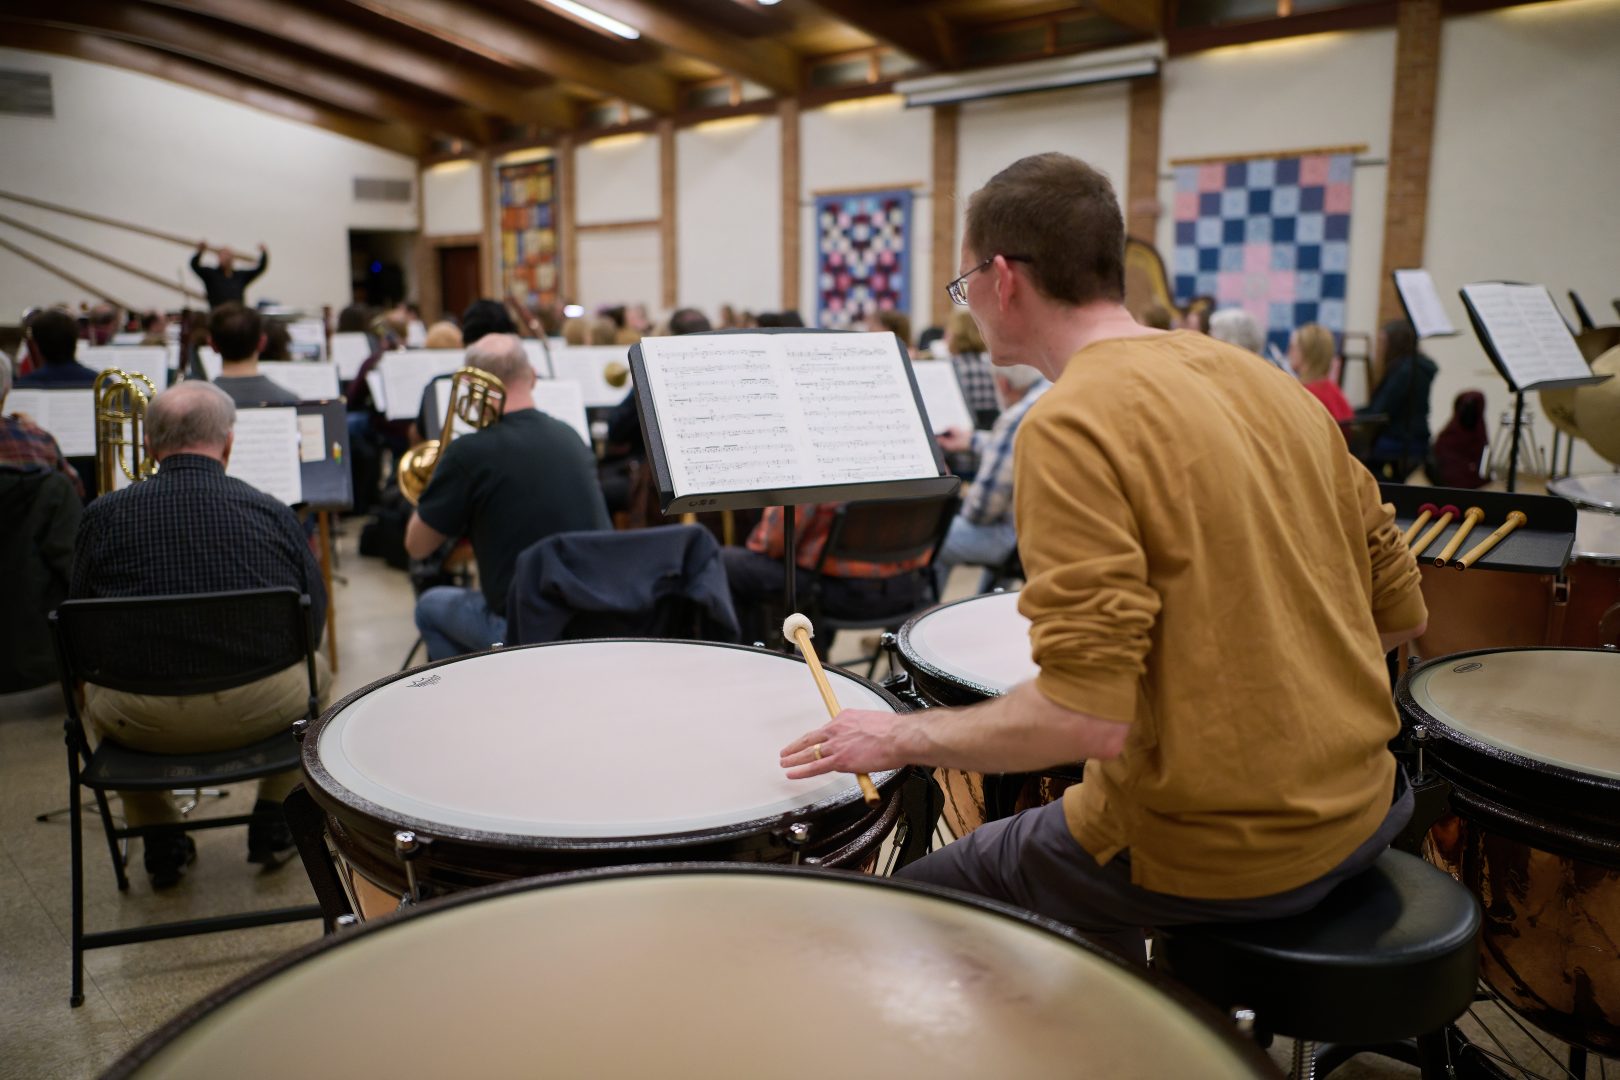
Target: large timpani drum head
[
  {"x": 551, "y": 757},
  {"x": 968, "y": 650},
  {"x": 963, "y": 653},
  {"x": 700, "y": 971},
  {"x": 1594, "y": 491},
  {"x": 1529, "y": 739}
]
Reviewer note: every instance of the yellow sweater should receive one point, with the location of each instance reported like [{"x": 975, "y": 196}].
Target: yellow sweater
[{"x": 1208, "y": 564}]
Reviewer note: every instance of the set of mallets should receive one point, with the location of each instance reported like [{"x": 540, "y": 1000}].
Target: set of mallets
[{"x": 1471, "y": 517}]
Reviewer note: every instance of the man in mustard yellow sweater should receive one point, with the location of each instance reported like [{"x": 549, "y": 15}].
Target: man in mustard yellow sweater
[{"x": 1212, "y": 582}]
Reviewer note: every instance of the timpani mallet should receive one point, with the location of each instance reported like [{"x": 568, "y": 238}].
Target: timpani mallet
[
  {"x": 1425, "y": 512},
  {"x": 1447, "y": 513},
  {"x": 797, "y": 628},
  {"x": 1471, "y": 517},
  {"x": 1514, "y": 519}
]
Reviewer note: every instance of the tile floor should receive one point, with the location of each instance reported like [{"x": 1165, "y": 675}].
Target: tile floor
[{"x": 132, "y": 989}]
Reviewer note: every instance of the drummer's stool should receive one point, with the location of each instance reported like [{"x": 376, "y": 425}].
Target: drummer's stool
[{"x": 1382, "y": 965}]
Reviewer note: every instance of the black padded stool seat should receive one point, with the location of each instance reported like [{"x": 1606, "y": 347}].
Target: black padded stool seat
[{"x": 1389, "y": 955}]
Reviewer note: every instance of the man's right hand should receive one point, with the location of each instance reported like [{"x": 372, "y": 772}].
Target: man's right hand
[{"x": 955, "y": 440}]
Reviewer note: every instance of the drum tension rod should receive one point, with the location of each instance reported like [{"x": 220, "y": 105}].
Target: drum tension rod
[
  {"x": 407, "y": 847},
  {"x": 798, "y": 834}
]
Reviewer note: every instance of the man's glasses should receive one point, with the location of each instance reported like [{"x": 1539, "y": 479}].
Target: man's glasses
[{"x": 958, "y": 289}]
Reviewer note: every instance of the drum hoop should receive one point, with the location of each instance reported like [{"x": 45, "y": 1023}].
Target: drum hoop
[
  {"x": 1584, "y": 502},
  {"x": 319, "y": 778},
  {"x": 915, "y": 663},
  {"x": 1419, "y": 715},
  {"x": 1200, "y": 1011}
]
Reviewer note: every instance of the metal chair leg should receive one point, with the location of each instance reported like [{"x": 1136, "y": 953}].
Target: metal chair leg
[
  {"x": 417, "y": 644},
  {"x": 76, "y": 841},
  {"x": 118, "y": 859}
]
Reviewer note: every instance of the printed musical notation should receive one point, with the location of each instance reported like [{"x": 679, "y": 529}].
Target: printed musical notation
[
  {"x": 1529, "y": 336},
  {"x": 265, "y": 452},
  {"x": 752, "y": 412}
]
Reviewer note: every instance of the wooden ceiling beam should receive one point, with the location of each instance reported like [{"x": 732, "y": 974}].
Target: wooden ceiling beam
[
  {"x": 760, "y": 60},
  {"x": 210, "y": 80},
  {"x": 1143, "y": 16},
  {"x": 330, "y": 36},
  {"x": 475, "y": 27},
  {"x": 201, "y": 41},
  {"x": 926, "y": 35}
]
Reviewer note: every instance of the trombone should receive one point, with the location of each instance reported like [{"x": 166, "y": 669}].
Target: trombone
[
  {"x": 477, "y": 397},
  {"x": 121, "y": 398}
]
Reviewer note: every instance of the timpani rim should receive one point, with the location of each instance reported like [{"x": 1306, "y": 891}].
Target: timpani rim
[
  {"x": 1199, "y": 1011},
  {"x": 1583, "y": 502},
  {"x": 323, "y": 786}
]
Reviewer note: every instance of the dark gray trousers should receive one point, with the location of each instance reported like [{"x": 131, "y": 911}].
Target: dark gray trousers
[{"x": 1031, "y": 860}]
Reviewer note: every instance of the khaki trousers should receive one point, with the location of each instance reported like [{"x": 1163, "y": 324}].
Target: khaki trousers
[{"x": 199, "y": 723}]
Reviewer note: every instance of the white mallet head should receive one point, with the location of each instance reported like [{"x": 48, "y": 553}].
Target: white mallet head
[{"x": 794, "y": 623}]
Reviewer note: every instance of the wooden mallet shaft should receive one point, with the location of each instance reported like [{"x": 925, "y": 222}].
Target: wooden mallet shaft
[
  {"x": 799, "y": 627},
  {"x": 1471, "y": 517},
  {"x": 1514, "y": 519},
  {"x": 1425, "y": 512},
  {"x": 1447, "y": 513}
]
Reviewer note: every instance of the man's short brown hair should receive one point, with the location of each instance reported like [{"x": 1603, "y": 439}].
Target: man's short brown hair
[
  {"x": 1062, "y": 215},
  {"x": 235, "y": 331}
]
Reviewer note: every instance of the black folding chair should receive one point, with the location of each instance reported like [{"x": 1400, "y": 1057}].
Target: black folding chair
[
  {"x": 882, "y": 531},
  {"x": 173, "y": 646}
]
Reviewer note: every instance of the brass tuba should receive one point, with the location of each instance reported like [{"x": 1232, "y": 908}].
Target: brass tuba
[
  {"x": 121, "y": 398},
  {"x": 477, "y": 397}
]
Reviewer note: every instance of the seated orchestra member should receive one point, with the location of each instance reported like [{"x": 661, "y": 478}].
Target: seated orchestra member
[
  {"x": 1310, "y": 354},
  {"x": 443, "y": 335},
  {"x": 24, "y": 444},
  {"x": 1234, "y": 741},
  {"x": 237, "y": 334},
  {"x": 973, "y": 370},
  {"x": 104, "y": 323},
  {"x": 850, "y": 588},
  {"x": 53, "y": 337},
  {"x": 1402, "y": 394},
  {"x": 982, "y": 533},
  {"x": 1237, "y": 327},
  {"x": 192, "y": 529},
  {"x": 223, "y": 283},
  {"x": 153, "y": 325},
  {"x": 506, "y": 486}
]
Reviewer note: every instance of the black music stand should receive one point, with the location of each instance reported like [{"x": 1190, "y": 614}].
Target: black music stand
[{"x": 813, "y": 490}]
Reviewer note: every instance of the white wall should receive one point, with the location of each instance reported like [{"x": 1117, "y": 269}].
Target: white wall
[
  {"x": 452, "y": 199},
  {"x": 1298, "y": 93},
  {"x": 160, "y": 155},
  {"x": 869, "y": 145},
  {"x": 1525, "y": 174},
  {"x": 728, "y": 219},
  {"x": 1091, "y": 123},
  {"x": 618, "y": 180},
  {"x": 620, "y": 266}
]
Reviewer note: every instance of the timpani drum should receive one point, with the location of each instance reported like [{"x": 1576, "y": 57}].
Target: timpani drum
[
  {"x": 700, "y": 970},
  {"x": 1593, "y": 615},
  {"x": 1529, "y": 740},
  {"x": 963, "y": 653},
  {"x": 533, "y": 760}
]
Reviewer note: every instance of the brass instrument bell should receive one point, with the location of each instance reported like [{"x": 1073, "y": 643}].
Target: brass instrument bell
[
  {"x": 616, "y": 373},
  {"x": 477, "y": 397},
  {"x": 121, "y": 398}
]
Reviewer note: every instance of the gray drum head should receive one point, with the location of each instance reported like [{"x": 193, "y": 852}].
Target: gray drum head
[
  {"x": 983, "y": 642},
  {"x": 1594, "y": 491}
]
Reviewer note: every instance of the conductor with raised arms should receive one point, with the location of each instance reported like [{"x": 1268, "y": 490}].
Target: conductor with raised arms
[{"x": 1212, "y": 586}]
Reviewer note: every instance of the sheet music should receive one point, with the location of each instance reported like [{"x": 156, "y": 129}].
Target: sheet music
[
  {"x": 563, "y": 401},
  {"x": 149, "y": 360},
  {"x": 308, "y": 338},
  {"x": 405, "y": 375},
  {"x": 1422, "y": 302},
  {"x": 127, "y": 337},
  {"x": 311, "y": 437},
  {"x": 379, "y": 393},
  {"x": 942, "y": 396},
  {"x": 415, "y": 334},
  {"x": 740, "y": 412},
  {"x": 587, "y": 365},
  {"x": 537, "y": 358},
  {"x": 212, "y": 362},
  {"x": 1529, "y": 336},
  {"x": 69, "y": 416},
  {"x": 265, "y": 452},
  {"x": 311, "y": 382},
  {"x": 350, "y": 349}
]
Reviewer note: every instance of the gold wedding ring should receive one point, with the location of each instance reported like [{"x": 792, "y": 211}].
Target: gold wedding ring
[{"x": 818, "y": 751}]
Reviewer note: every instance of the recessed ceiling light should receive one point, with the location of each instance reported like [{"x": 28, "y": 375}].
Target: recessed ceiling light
[{"x": 596, "y": 18}]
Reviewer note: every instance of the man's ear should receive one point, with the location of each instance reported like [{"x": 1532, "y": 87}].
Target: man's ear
[{"x": 1007, "y": 283}]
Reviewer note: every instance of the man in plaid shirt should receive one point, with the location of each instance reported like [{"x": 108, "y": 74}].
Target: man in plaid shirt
[
  {"x": 21, "y": 443},
  {"x": 982, "y": 534}
]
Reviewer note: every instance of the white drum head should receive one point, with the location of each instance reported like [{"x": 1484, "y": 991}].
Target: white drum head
[
  {"x": 984, "y": 641},
  {"x": 1559, "y": 706},
  {"x": 589, "y": 739},
  {"x": 1597, "y": 537},
  {"x": 703, "y": 975},
  {"x": 1594, "y": 491}
]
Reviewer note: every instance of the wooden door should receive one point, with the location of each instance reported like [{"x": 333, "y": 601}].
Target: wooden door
[{"x": 458, "y": 278}]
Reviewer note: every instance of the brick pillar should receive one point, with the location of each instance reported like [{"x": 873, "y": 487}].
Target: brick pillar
[
  {"x": 946, "y": 126},
  {"x": 1411, "y": 143},
  {"x": 567, "y": 234},
  {"x": 1142, "y": 159},
  {"x": 666, "y": 216},
  {"x": 787, "y": 111}
]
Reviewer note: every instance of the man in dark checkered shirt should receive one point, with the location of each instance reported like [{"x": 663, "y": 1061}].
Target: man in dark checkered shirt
[{"x": 192, "y": 529}]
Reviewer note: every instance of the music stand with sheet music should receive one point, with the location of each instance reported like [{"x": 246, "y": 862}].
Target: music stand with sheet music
[
  {"x": 1528, "y": 342},
  {"x": 1421, "y": 302},
  {"x": 732, "y": 420}
]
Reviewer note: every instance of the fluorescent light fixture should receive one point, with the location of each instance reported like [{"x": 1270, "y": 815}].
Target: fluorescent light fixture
[
  {"x": 729, "y": 123},
  {"x": 608, "y": 142},
  {"x": 769, "y": 3},
  {"x": 866, "y": 104},
  {"x": 573, "y": 311},
  {"x": 596, "y": 18},
  {"x": 1129, "y": 62}
]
